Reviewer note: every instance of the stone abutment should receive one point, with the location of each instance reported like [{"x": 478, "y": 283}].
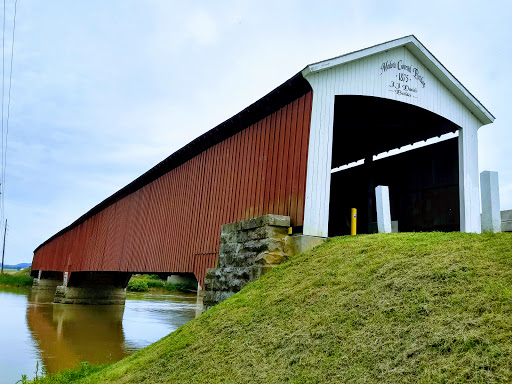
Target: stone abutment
[{"x": 248, "y": 249}]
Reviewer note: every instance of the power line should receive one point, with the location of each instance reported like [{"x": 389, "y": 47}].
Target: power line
[
  {"x": 3, "y": 251},
  {"x": 3, "y": 93},
  {"x": 5, "y": 133},
  {"x": 9, "y": 99}
]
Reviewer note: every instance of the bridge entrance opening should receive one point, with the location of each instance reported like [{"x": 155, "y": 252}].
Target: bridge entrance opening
[{"x": 368, "y": 139}]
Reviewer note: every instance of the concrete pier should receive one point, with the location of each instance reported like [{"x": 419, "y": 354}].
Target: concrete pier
[
  {"x": 93, "y": 288},
  {"x": 183, "y": 278},
  {"x": 47, "y": 280}
]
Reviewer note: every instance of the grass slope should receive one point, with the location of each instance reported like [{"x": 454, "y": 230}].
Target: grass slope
[{"x": 426, "y": 307}]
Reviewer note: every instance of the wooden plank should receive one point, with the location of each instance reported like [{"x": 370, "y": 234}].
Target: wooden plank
[
  {"x": 185, "y": 254},
  {"x": 284, "y": 200},
  {"x": 243, "y": 175},
  {"x": 254, "y": 169},
  {"x": 224, "y": 198},
  {"x": 231, "y": 179},
  {"x": 187, "y": 233},
  {"x": 254, "y": 212},
  {"x": 274, "y": 142},
  {"x": 212, "y": 208},
  {"x": 296, "y": 138},
  {"x": 198, "y": 193},
  {"x": 174, "y": 219},
  {"x": 132, "y": 257},
  {"x": 248, "y": 172},
  {"x": 178, "y": 180},
  {"x": 162, "y": 224},
  {"x": 306, "y": 122},
  {"x": 127, "y": 252},
  {"x": 266, "y": 179},
  {"x": 249, "y": 200},
  {"x": 143, "y": 223},
  {"x": 239, "y": 176}
]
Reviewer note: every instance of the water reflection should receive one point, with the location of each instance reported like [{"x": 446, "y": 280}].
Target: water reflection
[
  {"x": 69, "y": 334},
  {"x": 61, "y": 336},
  {"x": 154, "y": 314}
]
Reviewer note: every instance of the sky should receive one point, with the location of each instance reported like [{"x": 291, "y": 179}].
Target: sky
[{"x": 104, "y": 90}]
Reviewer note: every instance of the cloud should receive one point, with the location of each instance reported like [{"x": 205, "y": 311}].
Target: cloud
[
  {"x": 202, "y": 28},
  {"x": 102, "y": 91}
]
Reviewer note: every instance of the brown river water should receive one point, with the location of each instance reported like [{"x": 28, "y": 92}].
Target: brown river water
[{"x": 34, "y": 332}]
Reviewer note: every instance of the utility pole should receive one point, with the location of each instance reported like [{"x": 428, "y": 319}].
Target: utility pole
[{"x": 3, "y": 251}]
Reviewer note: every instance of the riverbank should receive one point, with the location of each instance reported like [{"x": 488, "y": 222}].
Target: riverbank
[
  {"x": 154, "y": 284},
  {"x": 422, "y": 307},
  {"x": 137, "y": 283},
  {"x": 16, "y": 279}
]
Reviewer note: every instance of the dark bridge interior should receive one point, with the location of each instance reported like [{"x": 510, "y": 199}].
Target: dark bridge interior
[{"x": 423, "y": 183}]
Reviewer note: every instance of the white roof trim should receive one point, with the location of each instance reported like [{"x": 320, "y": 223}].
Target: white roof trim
[{"x": 426, "y": 58}]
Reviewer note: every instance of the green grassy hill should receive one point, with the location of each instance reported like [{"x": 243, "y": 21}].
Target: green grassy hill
[{"x": 426, "y": 307}]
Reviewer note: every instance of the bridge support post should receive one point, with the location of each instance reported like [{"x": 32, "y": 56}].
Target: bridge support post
[
  {"x": 47, "y": 280},
  {"x": 93, "y": 288},
  {"x": 185, "y": 279}
]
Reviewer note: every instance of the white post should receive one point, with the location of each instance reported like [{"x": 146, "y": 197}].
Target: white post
[
  {"x": 468, "y": 179},
  {"x": 383, "y": 211},
  {"x": 318, "y": 177},
  {"x": 491, "y": 215}
]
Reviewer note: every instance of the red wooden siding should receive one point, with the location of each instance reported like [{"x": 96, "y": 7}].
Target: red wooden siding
[{"x": 173, "y": 223}]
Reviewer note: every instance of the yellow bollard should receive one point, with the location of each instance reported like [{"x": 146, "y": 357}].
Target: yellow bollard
[{"x": 353, "y": 221}]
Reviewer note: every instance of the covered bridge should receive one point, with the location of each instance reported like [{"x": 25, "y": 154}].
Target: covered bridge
[{"x": 277, "y": 156}]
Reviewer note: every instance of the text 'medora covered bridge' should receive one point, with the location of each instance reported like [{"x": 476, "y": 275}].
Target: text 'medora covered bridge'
[{"x": 277, "y": 156}]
